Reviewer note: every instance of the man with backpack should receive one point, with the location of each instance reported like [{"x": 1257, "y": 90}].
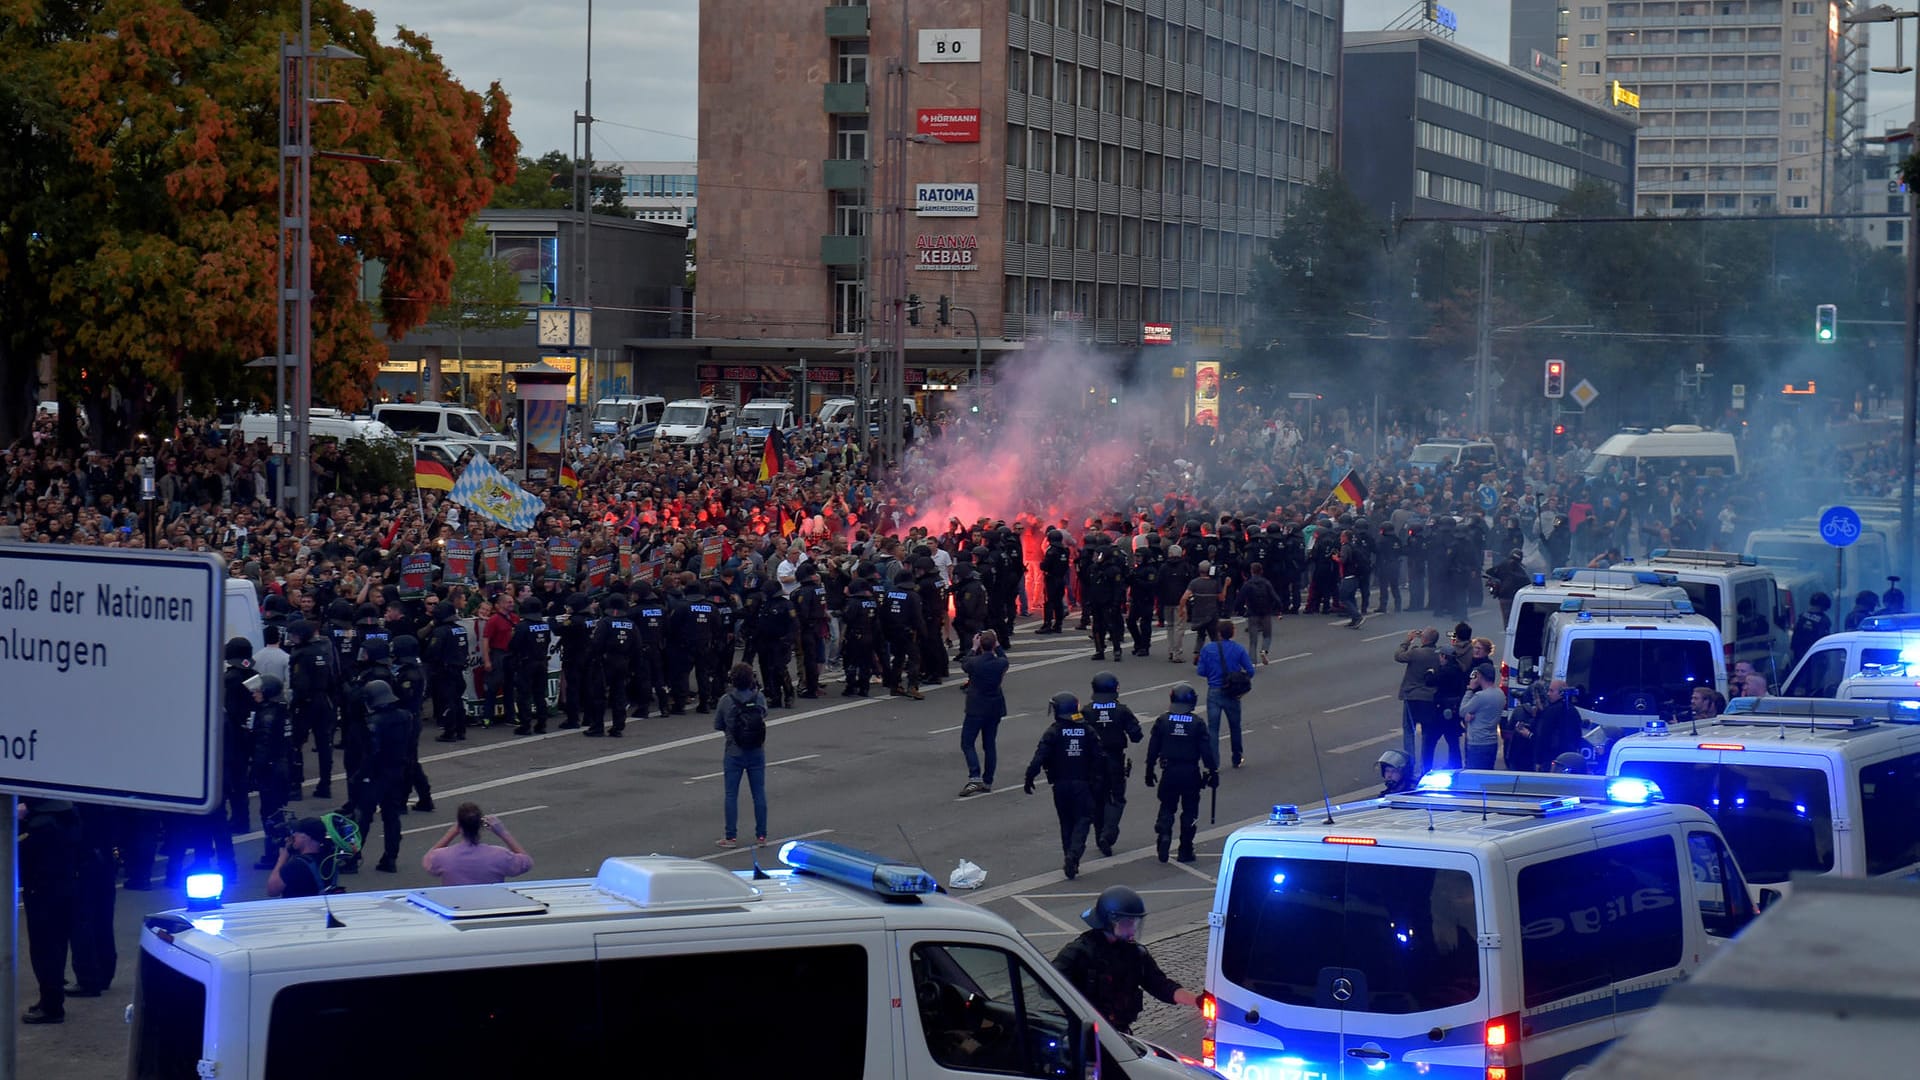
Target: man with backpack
[{"x": 742, "y": 715}]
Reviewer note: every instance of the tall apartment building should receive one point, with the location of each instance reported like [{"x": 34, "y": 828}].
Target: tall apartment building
[
  {"x": 1087, "y": 168},
  {"x": 1746, "y": 106}
]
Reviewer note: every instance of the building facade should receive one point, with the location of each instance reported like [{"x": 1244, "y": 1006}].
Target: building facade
[
  {"x": 1429, "y": 128},
  {"x": 1075, "y": 168},
  {"x": 1883, "y": 194},
  {"x": 1747, "y": 106}
]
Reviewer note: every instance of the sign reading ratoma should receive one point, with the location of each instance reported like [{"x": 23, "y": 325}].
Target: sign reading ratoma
[
  {"x": 946, "y": 200},
  {"x": 110, "y": 663}
]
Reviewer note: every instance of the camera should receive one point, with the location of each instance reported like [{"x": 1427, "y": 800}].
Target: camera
[{"x": 279, "y": 827}]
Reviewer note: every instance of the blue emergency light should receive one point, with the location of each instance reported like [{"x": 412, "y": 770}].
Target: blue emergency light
[
  {"x": 1437, "y": 780},
  {"x": 1633, "y": 791},
  {"x": 1284, "y": 814},
  {"x": 204, "y": 891},
  {"x": 860, "y": 869}
]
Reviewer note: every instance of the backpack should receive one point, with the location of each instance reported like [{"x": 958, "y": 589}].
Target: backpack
[{"x": 749, "y": 725}]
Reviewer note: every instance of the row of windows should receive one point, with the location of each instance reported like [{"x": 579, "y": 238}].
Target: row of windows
[
  {"x": 1514, "y": 204},
  {"x": 1751, "y": 174},
  {"x": 1508, "y": 160},
  {"x": 1091, "y": 88},
  {"x": 1528, "y": 122},
  {"x": 661, "y": 185},
  {"x": 1445, "y": 140},
  {"x": 1459, "y": 98},
  {"x": 1128, "y": 303},
  {"x": 1450, "y": 94},
  {"x": 1063, "y": 228},
  {"x": 1063, "y": 155},
  {"x": 1447, "y": 189},
  {"x": 1768, "y": 36},
  {"x": 1691, "y": 9},
  {"x": 1749, "y": 203},
  {"x": 1767, "y": 67},
  {"x": 1157, "y": 37}
]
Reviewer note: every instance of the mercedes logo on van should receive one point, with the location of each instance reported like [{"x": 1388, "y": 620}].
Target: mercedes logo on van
[{"x": 1342, "y": 990}]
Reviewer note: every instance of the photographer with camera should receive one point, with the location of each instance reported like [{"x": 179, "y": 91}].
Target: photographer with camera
[
  {"x": 986, "y": 669},
  {"x": 304, "y": 867}
]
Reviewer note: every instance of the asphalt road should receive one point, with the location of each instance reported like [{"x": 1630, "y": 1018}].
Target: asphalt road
[{"x": 881, "y": 773}]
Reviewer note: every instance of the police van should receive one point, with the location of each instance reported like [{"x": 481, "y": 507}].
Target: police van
[
  {"x": 1797, "y": 785},
  {"x": 1627, "y": 665},
  {"x": 1601, "y": 589},
  {"x": 842, "y": 964},
  {"x": 1881, "y": 641},
  {"x": 1485, "y": 924},
  {"x": 1741, "y": 596}
]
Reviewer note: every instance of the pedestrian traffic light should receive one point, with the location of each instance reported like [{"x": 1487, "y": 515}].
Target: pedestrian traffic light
[
  {"x": 913, "y": 309},
  {"x": 1556, "y": 379},
  {"x": 946, "y": 310},
  {"x": 1826, "y": 323}
]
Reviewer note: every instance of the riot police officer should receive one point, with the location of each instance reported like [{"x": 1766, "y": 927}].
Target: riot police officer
[
  {"x": 238, "y": 705},
  {"x": 527, "y": 651},
  {"x": 706, "y": 635},
  {"x": 374, "y": 665},
  {"x": 410, "y": 686},
  {"x": 1182, "y": 746},
  {"x": 1110, "y": 967},
  {"x": 1106, "y": 596},
  {"x": 1143, "y": 593},
  {"x": 774, "y": 629},
  {"x": 650, "y": 614},
  {"x": 810, "y": 605},
  {"x": 859, "y": 625},
  {"x": 271, "y": 730},
  {"x": 382, "y": 783},
  {"x": 574, "y": 627},
  {"x": 1071, "y": 756},
  {"x": 933, "y": 621},
  {"x": 315, "y": 673},
  {"x": 901, "y": 622},
  {"x": 1055, "y": 564},
  {"x": 969, "y": 604},
  {"x": 447, "y": 672},
  {"x": 1114, "y": 725},
  {"x": 612, "y": 652}
]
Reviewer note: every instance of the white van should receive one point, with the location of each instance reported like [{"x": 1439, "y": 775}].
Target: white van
[
  {"x": 1798, "y": 785},
  {"x": 658, "y": 966},
  {"x": 240, "y": 612},
  {"x": 322, "y": 423},
  {"x": 1744, "y": 598},
  {"x": 762, "y": 415},
  {"x": 1841, "y": 572},
  {"x": 1640, "y": 452},
  {"x": 1534, "y": 604},
  {"x": 437, "y": 420},
  {"x": 1882, "y": 641},
  {"x": 634, "y": 415},
  {"x": 1474, "y": 455},
  {"x": 693, "y": 421},
  {"x": 1483, "y": 923},
  {"x": 841, "y": 410},
  {"x": 1630, "y": 666}
]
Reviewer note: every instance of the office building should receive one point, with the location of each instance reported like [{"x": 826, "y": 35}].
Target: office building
[
  {"x": 1747, "y": 106},
  {"x": 1429, "y": 127},
  {"x": 1080, "y": 169}
]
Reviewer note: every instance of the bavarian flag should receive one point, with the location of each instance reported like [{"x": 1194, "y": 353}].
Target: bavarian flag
[
  {"x": 1350, "y": 490},
  {"x": 773, "y": 459},
  {"x": 486, "y": 491},
  {"x": 430, "y": 474},
  {"x": 569, "y": 478}
]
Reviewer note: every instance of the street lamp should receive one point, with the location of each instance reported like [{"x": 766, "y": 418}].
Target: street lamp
[{"x": 1881, "y": 13}]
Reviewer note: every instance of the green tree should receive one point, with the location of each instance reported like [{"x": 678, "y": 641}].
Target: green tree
[
  {"x": 537, "y": 187},
  {"x": 484, "y": 293},
  {"x": 138, "y": 202},
  {"x": 1317, "y": 282}
]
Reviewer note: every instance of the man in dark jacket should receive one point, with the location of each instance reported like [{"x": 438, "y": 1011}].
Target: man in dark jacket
[
  {"x": 1070, "y": 754},
  {"x": 986, "y": 671},
  {"x": 1110, "y": 967}
]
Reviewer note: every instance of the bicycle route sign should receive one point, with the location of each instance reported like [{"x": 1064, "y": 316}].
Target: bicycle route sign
[{"x": 1840, "y": 526}]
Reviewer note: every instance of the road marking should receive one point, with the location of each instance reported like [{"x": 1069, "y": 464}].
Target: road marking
[
  {"x": 1357, "y": 704},
  {"x": 1383, "y": 637},
  {"x": 503, "y": 813},
  {"x": 1295, "y": 656},
  {"x": 1155, "y": 686},
  {"x": 1045, "y": 914},
  {"x": 944, "y": 730},
  {"x": 773, "y": 845},
  {"x": 1364, "y": 743},
  {"x": 1201, "y": 874},
  {"x": 770, "y": 764},
  {"x": 1038, "y": 782}
]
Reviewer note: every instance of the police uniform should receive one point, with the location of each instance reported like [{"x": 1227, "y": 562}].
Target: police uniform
[
  {"x": 410, "y": 686},
  {"x": 773, "y": 634},
  {"x": 527, "y": 651},
  {"x": 859, "y": 621},
  {"x": 1182, "y": 746},
  {"x": 315, "y": 674},
  {"x": 382, "y": 783},
  {"x": 810, "y": 602},
  {"x": 574, "y": 627},
  {"x": 613, "y": 651},
  {"x": 1114, "y": 725},
  {"x": 1071, "y": 755},
  {"x": 1111, "y": 974},
  {"x": 900, "y": 622},
  {"x": 1055, "y": 564},
  {"x": 447, "y": 673},
  {"x": 649, "y": 670}
]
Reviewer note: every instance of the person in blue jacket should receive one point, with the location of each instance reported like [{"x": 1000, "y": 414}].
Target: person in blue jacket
[
  {"x": 986, "y": 669},
  {"x": 1218, "y": 662}
]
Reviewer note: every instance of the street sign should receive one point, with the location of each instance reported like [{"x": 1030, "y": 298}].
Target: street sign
[
  {"x": 1739, "y": 395},
  {"x": 1584, "y": 393},
  {"x": 1489, "y": 497},
  {"x": 111, "y": 666},
  {"x": 1840, "y": 526}
]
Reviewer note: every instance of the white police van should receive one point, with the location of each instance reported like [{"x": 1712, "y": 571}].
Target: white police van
[
  {"x": 1881, "y": 642},
  {"x": 847, "y": 965},
  {"x": 1798, "y": 785},
  {"x": 1603, "y": 590},
  {"x": 1627, "y": 666},
  {"x": 1744, "y": 598},
  {"x": 1485, "y": 924}
]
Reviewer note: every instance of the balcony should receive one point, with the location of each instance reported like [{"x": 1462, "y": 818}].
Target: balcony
[
  {"x": 848, "y": 21},
  {"x": 836, "y": 250},
  {"x": 843, "y": 97},
  {"x": 844, "y": 174}
]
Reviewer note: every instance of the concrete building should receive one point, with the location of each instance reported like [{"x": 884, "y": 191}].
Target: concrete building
[
  {"x": 1747, "y": 106},
  {"x": 1880, "y": 193},
  {"x": 1090, "y": 169},
  {"x": 1430, "y": 127}
]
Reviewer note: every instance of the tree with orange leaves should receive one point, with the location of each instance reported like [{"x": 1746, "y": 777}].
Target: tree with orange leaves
[{"x": 138, "y": 199}]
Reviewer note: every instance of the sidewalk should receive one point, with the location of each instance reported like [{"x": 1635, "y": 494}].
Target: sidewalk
[{"x": 1183, "y": 956}]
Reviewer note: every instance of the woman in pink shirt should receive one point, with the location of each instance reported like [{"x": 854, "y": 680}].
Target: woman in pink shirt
[{"x": 460, "y": 858}]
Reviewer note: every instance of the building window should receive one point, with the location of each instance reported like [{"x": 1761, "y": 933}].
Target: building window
[
  {"x": 1797, "y": 146},
  {"x": 1896, "y": 232},
  {"x": 1038, "y": 220},
  {"x": 1799, "y": 119},
  {"x": 849, "y": 302},
  {"x": 1796, "y": 202},
  {"x": 1016, "y": 146},
  {"x": 1016, "y": 221},
  {"x": 1041, "y": 158},
  {"x": 1803, "y": 37},
  {"x": 850, "y": 137},
  {"x": 1017, "y": 71},
  {"x": 1800, "y": 63},
  {"x": 1590, "y": 14},
  {"x": 1589, "y": 41},
  {"x": 1083, "y": 230},
  {"x": 1896, "y": 204},
  {"x": 1062, "y": 236},
  {"x": 1109, "y": 239},
  {"x": 1589, "y": 67},
  {"x": 1803, "y": 7},
  {"x": 849, "y": 213},
  {"x": 1796, "y": 175},
  {"x": 1130, "y": 236},
  {"x": 850, "y": 60}
]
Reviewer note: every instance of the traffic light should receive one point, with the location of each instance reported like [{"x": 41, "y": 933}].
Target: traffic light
[
  {"x": 946, "y": 310},
  {"x": 1826, "y": 323},
  {"x": 1559, "y": 429},
  {"x": 1556, "y": 379},
  {"x": 913, "y": 309}
]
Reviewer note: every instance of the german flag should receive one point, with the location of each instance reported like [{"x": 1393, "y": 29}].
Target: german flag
[
  {"x": 569, "y": 478},
  {"x": 773, "y": 459},
  {"x": 430, "y": 474},
  {"x": 1350, "y": 490}
]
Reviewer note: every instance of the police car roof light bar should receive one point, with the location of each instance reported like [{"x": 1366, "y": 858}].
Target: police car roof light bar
[{"x": 877, "y": 874}]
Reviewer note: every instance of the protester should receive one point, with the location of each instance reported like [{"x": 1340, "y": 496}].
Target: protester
[{"x": 462, "y": 858}]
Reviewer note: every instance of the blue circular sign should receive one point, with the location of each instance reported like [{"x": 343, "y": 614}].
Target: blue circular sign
[
  {"x": 1840, "y": 526},
  {"x": 1489, "y": 497}
]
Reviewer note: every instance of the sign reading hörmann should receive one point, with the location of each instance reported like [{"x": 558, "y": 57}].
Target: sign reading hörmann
[
  {"x": 951, "y": 252},
  {"x": 946, "y": 200},
  {"x": 110, "y": 667}
]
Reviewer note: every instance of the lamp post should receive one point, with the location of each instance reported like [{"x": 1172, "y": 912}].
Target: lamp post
[
  {"x": 1881, "y": 13},
  {"x": 968, "y": 312}
]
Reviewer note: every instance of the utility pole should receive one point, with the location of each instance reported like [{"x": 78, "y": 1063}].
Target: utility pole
[
  {"x": 893, "y": 248},
  {"x": 1483, "y": 334}
]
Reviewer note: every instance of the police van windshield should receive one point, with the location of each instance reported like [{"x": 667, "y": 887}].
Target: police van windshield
[
  {"x": 1434, "y": 455},
  {"x": 1406, "y": 937},
  {"x": 612, "y": 410},
  {"x": 683, "y": 416},
  {"x": 1530, "y": 629},
  {"x": 762, "y": 415},
  {"x": 1777, "y": 819},
  {"x": 1639, "y": 675}
]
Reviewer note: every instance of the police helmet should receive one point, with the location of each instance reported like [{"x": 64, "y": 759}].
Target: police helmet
[
  {"x": 378, "y": 694},
  {"x": 860, "y": 587},
  {"x": 300, "y": 630},
  {"x": 1570, "y": 762},
  {"x": 1396, "y": 758},
  {"x": 239, "y": 648},
  {"x": 1182, "y": 696},
  {"x": 615, "y": 602},
  {"x": 340, "y": 609},
  {"x": 578, "y": 602},
  {"x": 1054, "y": 536},
  {"x": 406, "y": 647},
  {"x": 770, "y": 587},
  {"x": 1106, "y": 683},
  {"x": 367, "y": 613},
  {"x": 529, "y": 606},
  {"x": 374, "y": 651},
  {"x": 443, "y": 611},
  {"x": 1064, "y": 705},
  {"x": 267, "y": 685},
  {"x": 1115, "y": 902},
  {"x": 642, "y": 590},
  {"x": 276, "y": 604},
  {"x": 902, "y": 576}
]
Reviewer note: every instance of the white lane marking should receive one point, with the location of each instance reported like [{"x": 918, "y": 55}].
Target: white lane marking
[
  {"x": 770, "y": 764},
  {"x": 503, "y": 813},
  {"x": 1201, "y": 874},
  {"x": 1155, "y": 686},
  {"x": 1395, "y": 633},
  {"x": 1364, "y": 743},
  {"x": 1357, "y": 704},
  {"x": 1045, "y": 914},
  {"x": 1295, "y": 656},
  {"x": 771, "y": 845},
  {"x": 1038, "y": 782},
  {"x": 944, "y": 730}
]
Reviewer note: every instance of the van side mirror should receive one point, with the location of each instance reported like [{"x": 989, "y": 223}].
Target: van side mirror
[{"x": 1769, "y": 897}]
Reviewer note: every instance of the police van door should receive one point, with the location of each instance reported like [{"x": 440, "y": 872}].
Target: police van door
[
  {"x": 1344, "y": 959},
  {"x": 972, "y": 1006}
]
